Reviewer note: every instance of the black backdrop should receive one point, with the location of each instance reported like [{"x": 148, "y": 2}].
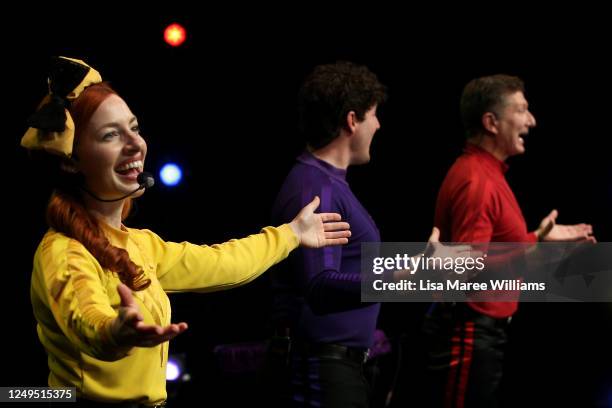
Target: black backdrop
[{"x": 223, "y": 106}]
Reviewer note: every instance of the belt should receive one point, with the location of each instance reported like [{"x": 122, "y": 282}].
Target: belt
[{"x": 334, "y": 351}]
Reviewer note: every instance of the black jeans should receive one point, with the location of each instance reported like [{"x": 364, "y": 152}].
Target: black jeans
[
  {"x": 464, "y": 360},
  {"x": 327, "y": 382},
  {"x": 318, "y": 376}
]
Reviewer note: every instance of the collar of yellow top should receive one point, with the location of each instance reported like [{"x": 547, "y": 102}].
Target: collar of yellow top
[
  {"x": 51, "y": 126},
  {"x": 117, "y": 237}
]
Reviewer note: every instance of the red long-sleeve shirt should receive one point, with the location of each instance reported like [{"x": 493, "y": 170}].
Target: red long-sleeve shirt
[{"x": 475, "y": 204}]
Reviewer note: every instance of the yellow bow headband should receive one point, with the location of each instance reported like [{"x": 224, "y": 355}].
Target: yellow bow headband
[{"x": 51, "y": 127}]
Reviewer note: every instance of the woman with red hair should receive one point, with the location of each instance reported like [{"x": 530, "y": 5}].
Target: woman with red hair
[{"x": 98, "y": 287}]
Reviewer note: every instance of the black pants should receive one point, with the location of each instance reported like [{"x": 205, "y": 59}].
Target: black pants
[
  {"x": 464, "y": 361},
  {"x": 317, "y": 378},
  {"x": 327, "y": 382}
]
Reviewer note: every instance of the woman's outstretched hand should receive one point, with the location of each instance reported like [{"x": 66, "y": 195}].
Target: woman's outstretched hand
[
  {"x": 129, "y": 330},
  {"x": 319, "y": 230}
]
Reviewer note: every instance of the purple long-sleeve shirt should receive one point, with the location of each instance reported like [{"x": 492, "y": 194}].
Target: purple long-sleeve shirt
[{"x": 320, "y": 293}]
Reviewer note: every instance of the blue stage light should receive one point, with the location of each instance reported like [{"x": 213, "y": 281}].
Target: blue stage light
[{"x": 171, "y": 174}]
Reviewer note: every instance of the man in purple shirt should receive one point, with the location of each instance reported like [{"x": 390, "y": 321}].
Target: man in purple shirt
[{"x": 318, "y": 300}]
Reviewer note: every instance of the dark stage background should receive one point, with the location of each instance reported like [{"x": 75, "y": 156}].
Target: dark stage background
[{"x": 223, "y": 105}]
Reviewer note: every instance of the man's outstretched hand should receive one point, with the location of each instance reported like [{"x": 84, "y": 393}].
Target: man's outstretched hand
[{"x": 550, "y": 231}]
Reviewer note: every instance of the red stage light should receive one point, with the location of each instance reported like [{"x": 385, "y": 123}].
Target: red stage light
[{"x": 175, "y": 34}]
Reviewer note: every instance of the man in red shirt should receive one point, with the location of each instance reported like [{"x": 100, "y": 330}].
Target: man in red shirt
[{"x": 475, "y": 204}]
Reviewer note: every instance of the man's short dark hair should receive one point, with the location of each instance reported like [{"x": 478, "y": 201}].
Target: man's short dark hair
[
  {"x": 486, "y": 94},
  {"x": 329, "y": 93}
]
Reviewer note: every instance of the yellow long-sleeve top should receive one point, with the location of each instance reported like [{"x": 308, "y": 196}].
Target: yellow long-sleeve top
[{"x": 75, "y": 299}]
